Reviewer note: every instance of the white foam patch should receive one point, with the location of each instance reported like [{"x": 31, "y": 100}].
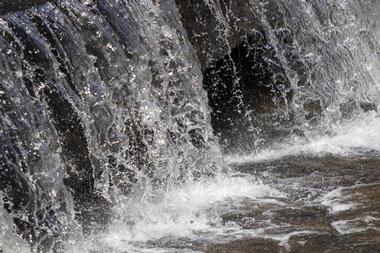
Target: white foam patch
[
  {"x": 337, "y": 202},
  {"x": 357, "y": 225},
  {"x": 9, "y": 240},
  {"x": 284, "y": 239},
  {"x": 189, "y": 211},
  {"x": 351, "y": 138}
]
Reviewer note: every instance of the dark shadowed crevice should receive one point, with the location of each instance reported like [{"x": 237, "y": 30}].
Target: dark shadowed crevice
[{"x": 250, "y": 80}]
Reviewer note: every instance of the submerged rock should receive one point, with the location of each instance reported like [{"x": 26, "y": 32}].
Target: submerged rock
[{"x": 246, "y": 246}]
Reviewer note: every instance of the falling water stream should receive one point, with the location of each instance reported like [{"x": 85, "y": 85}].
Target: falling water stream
[{"x": 190, "y": 126}]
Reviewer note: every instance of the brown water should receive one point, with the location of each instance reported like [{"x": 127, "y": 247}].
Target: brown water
[{"x": 331, "y": 205}]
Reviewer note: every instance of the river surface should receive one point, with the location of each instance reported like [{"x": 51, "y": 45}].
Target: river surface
[{"x": 315, "y": 196}]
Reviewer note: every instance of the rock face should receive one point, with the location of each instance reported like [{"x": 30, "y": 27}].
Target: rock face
[
  {"x": 243, "y": 75},
  {"x": 18, "y": 5},
  {"x": 291, "y": 44},
  {"x": 216, "y": 27},
  {"x": 331, "y": 204},
  {"x": 246, "y": 83}
]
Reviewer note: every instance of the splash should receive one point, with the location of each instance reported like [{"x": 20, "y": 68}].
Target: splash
[
  {"x": 105, "y": 123},
  {"x": 191, "y": 212},
  {"x": 351, "y": 138}
]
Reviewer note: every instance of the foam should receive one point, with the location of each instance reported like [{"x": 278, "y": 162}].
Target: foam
[
  {"x": 337, "y": 202},
  {"x": 190, "y": 211},
  {"x": 9, "y": 240},
  {"x": 352, "y": 138}
]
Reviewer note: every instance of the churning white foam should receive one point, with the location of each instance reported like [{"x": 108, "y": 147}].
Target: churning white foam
[
  {"x": 9, "y": 240},
  {"x": 352, "y": 138},
  {"x": 189, "y": 211},
  {"x": 338, "y": 202}
]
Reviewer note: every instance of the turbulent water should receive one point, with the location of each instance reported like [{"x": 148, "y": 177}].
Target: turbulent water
[{"x": 126, "y": 126}]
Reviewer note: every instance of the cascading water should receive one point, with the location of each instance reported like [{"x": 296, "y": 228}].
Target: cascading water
[
  {"x": 339, "y": 70},
  {"x": 302, "y": 70},
  {"x": 110, "y": 108},
  {"x": 108, "y": 92}
]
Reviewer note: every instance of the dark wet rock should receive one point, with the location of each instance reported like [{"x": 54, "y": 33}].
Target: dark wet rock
[
  {"x": 244, "y": 84},
  {"x": 29, "y": 160},
  {"x": 305, "y": 216},
  {"x": 251, "y": 215},
  {"x": 348, "y": 108},
  {"x": 245, "y": 79},
  {"x": 93, "y": 211},
  {"x": 314, "y": 219},
  {"x": 321, "y": 172},
  {"x": 79, "y": 171},
  {"x": 255, "y": 245},
  {"x": 313, "y": 109},
  {"x": 179, "y": 244},
  {"x": 365, "y": 214},
  {"x": 326, "y": 243},
  {"x": 304, "y": 243},
  {"x": 239, "y": 217},
  {"x": 214, "y": 28},
  {"x": 18, "y": 5},
  {"x": 366, "y": 106},
  {"x": 246, "y": 116},
  {"x": 39, "y": 66}
]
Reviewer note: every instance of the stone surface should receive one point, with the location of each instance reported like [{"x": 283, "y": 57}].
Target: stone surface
[
  {"x": 332, "y": 205},
  {"x": 242, "y": 86},
  {"x": 7, "y": 6},
  {"x": 246, "y": 246},
  {"x": 335, "y": 198},
  {"x": 246, "y": 83}
]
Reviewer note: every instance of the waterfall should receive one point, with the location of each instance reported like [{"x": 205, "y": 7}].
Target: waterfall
[
  {"x": 113, "y": 109},
  {"x": 98, "y": 98},
  {"x": 298, "y": 72}
]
